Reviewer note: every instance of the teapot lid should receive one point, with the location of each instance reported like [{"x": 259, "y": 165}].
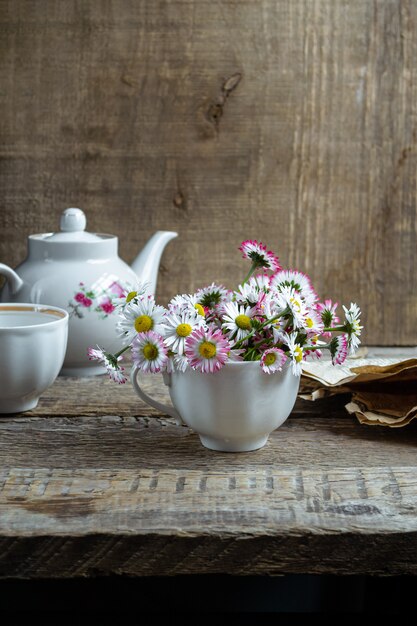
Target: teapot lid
[{"x": 72, "y": 225}]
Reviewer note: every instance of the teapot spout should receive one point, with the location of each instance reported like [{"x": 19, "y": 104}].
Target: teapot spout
[{"x": 146, "y": 264}]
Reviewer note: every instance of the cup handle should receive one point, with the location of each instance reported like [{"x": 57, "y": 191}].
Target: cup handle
[
  {"x": 15, "y": 282},
  {"x": 164, "y": 408}
]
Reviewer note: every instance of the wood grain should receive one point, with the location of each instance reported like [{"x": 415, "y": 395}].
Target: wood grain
[
  {"x": 292, "y": 122},
  {"x": 80, "y": 523}
]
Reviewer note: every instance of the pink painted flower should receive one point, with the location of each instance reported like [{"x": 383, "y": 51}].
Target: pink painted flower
[
  {"x": 107, "y": 307},
  {"x": 339, "y": 348},
  {"x": 149, "y": 352},
  {"x": 79, "y": 297},
  {"x": 259, "y": 255},
  {"x": 87, "y": 302},
  {"x": 117, "y": 289},
  {"x": 207, "y": 350},
  {"x": 273, "y": 360},
  {"x": 110, "y": 362}
]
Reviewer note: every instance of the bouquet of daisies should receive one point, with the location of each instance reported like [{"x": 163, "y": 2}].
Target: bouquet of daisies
[{"x": 273, "y": 317}]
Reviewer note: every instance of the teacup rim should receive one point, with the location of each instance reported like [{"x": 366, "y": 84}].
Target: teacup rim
[{"x": 60, "y": 315}]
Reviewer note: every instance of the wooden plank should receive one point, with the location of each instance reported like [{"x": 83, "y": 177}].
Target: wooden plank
[
  {"x": 68, "y": 523},
  {"x": 239, "y": 503},
  {"x": 130, "y": 442},
  {"x": 288, "y": 121}
]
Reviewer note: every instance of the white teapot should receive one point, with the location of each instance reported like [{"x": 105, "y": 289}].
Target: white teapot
[{"x": 82, "y": 273}]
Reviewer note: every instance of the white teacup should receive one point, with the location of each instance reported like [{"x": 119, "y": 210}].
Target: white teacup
[
  {"x": 233, "y": 410},
  {"x": 33, "y": 342}
]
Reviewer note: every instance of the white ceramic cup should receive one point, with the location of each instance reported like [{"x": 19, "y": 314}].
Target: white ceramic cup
[
  {"x": 233, "y": 410},
  {"x": 33, "y": 341}
]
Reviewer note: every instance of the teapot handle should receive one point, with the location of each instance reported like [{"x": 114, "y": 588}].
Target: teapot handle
[
  {"x": 164, "y": 408},
  {"x": 15, "y": 282}
]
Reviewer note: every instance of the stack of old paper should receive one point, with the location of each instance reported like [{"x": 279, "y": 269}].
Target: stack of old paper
[{"x": 384, "y": 390}]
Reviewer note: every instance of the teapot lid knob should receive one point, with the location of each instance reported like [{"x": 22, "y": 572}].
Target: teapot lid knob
[{"x": 73, "y": 220}]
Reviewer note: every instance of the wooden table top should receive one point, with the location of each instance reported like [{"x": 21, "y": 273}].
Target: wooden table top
[{"x": 95, "y": 482}]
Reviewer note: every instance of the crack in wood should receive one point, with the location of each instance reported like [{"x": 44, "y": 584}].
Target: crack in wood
[
  {"x": 361, "y": 485},
  {"x": 202, "y": 485},
  {"x": 269, "y": 483},
  {"x": 180, "y": 484},
  {"x": 393, "y": 488},
  {"x": 326, "y": 487},
  {"x": 299, "y": 485}
]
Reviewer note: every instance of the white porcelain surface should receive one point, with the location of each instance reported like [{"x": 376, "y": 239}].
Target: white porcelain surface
[
  {"x": 233, "y": 410},
  {"x": 33, "y": 341},
  {"x": 56, "y": 266}
]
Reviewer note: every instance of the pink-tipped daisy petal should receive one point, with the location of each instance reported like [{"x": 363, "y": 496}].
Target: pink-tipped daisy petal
[
  {"x": 339, "y": 348},
  {"x": 110, "y": 362},
  {"x": 259, "y": 255}
]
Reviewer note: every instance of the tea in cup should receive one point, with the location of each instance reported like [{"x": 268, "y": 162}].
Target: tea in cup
[{"x": 33, "y": 342}]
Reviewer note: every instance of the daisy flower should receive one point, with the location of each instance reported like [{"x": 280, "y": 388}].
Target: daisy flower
[
  {"x": 327, "y": 312},
  {"x": 149, "y": 352},
  {"x": 259, "y": 255},
  {"x": 296, "y": 280},
  {"x": 213, "y": 295},
  {"x": 178, "y": 326},
  {"x": 237, "y": 320},
  {"x": 352, "y": 326},
  {"x": 288, "y": 298},
  {"x": 339, "y": 348},
  {"x": 272, "y": 360},
  {"x": 186, "y": 302},
  {"x": 110, "y": 362},
  {"x": 140, "y": 316},
  {"x": 313, "y": 324},
  {"x": 207, "y": 350},
  {"x": 135, "y": 292},
  {"x": 295, "y": 353}
]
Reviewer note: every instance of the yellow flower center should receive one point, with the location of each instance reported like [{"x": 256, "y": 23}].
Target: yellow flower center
[
  {"x": 131, "y": 295},
  {"x": 296, "y": 304},
  {"x": 309, "y": 322},
  {"x": 199, "y": 309},
  {"x": 143, "y": 323},
  {"x": 243, "y": 322},
  {"x": 183, "y": 330},
  {"x": 150, "y": 352},
  {"x": 298, "y": 351},
  {"x": 270, "y": 358},
  {"x": 207, "y": 350}
]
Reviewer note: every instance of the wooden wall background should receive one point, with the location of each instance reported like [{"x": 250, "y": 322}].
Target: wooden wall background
[{"x": 290, "y": 121}]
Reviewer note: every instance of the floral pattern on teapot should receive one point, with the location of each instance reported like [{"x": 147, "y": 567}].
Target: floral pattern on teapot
[{"x": 101, "y": 298}]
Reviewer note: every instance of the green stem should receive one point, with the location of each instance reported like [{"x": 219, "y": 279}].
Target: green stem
[
  {"x": 337, "y": 328},
  {"x": 116, "y": 356},
  {"x": 251, "y": 271},
  {"x": 310, "y": 349}
]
